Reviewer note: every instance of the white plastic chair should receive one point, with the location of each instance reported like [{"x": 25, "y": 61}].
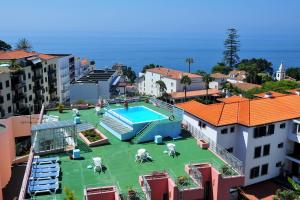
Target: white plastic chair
[{"x": 97, "y": 162}]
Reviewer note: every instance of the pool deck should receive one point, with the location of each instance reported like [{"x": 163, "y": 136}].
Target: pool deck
[{"x": 119, "y": 159}]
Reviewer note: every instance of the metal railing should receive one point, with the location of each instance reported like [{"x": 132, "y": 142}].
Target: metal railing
[
  {"x": 177, "y": 112},
  {"x": 234, "y": 162},
  {"x": 147, "y": 188}
]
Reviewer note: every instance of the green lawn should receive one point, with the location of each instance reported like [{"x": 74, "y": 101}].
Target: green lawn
[{"x": 119, "y": 159}]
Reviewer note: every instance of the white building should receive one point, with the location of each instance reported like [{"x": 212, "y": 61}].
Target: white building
[
  {"x": 280, "y": 74},
  {"x": 92, "y": 86},
  {"x": 236, "y": 76},
  {"x": 147, "y": 81},
  {"x": 263, "y": 133},
  {"x": 218, "y": 80}
]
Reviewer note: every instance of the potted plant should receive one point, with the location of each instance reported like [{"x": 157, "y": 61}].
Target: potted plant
[
  {"x": 131, "y": 193},
  {"x": 182, "y": 180},
  {"x": 226, "y": 170},
  {"x": 60, "y": 108},
  {"x": 147, "y": 100}
]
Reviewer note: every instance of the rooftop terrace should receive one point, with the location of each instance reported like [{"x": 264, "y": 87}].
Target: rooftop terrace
[{"x": 119, "y": 159}]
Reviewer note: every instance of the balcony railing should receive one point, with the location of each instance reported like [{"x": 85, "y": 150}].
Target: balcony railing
[
  {"x": 294, "y": 157},
  {"x": 234, "y": 162}
]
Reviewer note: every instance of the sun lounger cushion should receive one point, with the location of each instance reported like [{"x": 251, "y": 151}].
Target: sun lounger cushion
[
  {"x": 34, "y": 189},
  {"x": 45, "y": 170},
  {"x": 35, "y": 175},
  {"x": 37, "y": 166},
  {"x": 43, "y": 182},
  {"x": 46, "y": 160}
]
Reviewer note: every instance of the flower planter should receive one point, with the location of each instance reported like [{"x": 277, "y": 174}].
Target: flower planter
[
  {"x": 80, "y": 106},
  {"x": 203, "y": 144},
  {"x": 103, "y": 139}
]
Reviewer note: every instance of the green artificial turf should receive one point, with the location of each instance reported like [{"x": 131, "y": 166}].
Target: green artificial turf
[{"x": 119, "y": 159}]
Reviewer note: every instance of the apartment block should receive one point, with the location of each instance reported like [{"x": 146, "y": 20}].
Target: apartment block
[
  {"x": 147, "y": 81},
  {"x": 264, "y": 133}
]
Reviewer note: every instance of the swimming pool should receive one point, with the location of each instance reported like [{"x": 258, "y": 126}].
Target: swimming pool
[{"x": 139, "y": 114}]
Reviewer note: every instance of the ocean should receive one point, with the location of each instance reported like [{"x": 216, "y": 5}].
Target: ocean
[{"x": 170, "y": 50}]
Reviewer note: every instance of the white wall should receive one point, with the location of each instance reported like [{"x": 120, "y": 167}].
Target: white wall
[
  {"x": 244, "y": 144},
  {"x": 84, "y": 91},
  {"x": 149, "y": 86}
]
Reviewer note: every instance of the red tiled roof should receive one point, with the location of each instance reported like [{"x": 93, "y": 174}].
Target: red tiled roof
[
  {"x": 294, "y": 90},
  {"x": 195, "y": 93},
  {"x": 171, "y": 73},
  {"x": 271, "y": 94},
  {"x": 248, "y": 112},
  {"x": 218, "y": 75},
  {"x": 84, "y": 62},
  {"x": 46, "y": 56},
  {"x": 16, "y": 54},
  {"x": 246, "y": 86},
  {"x": 232, "y": 99}
]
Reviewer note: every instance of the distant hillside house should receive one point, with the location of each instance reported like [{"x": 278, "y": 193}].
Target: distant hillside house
[
  {"x": 147, "y": 81},
  {"x": 94, "y": 85},
  {"x": 236, "y": 76},
  {"x": 218, "y": 80},
  {"x": 246, "y": 86}
]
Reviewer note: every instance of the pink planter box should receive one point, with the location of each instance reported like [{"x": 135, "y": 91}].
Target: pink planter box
[
  {"x": 203, "y": 144},
  {"x": 80, "y": 106},
  {"x": 103, "y": 140}
]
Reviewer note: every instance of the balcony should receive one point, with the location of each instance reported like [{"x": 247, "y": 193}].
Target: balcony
[
  {"x": 37, "y": 87},
  {"x": 51, "y": 71},
  {"x": 18, "y": 97},
  {"x": 294, "y": 157},
  {"x": 37, "y": 77}
]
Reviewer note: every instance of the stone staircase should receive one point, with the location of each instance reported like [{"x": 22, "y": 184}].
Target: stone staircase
[{"x": 115, "y": 125}]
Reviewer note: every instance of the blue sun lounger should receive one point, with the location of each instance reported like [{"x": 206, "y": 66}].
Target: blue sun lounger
[
  {"x": 43, "y": 181},
  {"x": 37, "y": 166},
  {"x": 49, "y": 160},
  {"x": 45, "y": 170},
  {"x": 36, "y": 175},
  {"x": 51, "y": 188}
]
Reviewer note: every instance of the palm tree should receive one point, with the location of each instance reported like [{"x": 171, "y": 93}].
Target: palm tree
[
  {"x": 162, "y": 87},
  {"x": 24, "y": 44},
  {"x": 207, "y": 79},
  {"x": 189, "y": 61},
  {"x": 186, "y": 81}
]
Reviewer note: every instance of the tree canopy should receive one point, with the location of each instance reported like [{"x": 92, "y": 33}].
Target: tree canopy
[
  {"x": 232, "y": 47},
  {"x": 293, "y": 72},
  {"x": 24, "y": 44},
  {"x": 221, "y": 68},
  {"x": 130, "y": 74},
  {"x": 258, "y": 70},
  {"x": 150, "y": 66},
  {"x": 189, "y": 61},
  {"x": 4, "y": 46}
]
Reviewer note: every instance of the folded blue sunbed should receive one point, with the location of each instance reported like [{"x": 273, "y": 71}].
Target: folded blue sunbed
[
  {"x": 34, "y": 189},
  {"x": 36, "y": 175},
  {"x": 45, "y": 160},
  {"x": 43, "y": 181},
  {"x": 37, "y": 166},
  {"x": 45, "y": 170}
]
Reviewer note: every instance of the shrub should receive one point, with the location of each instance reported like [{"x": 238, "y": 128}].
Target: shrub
[{"x": 60, "y": 108}]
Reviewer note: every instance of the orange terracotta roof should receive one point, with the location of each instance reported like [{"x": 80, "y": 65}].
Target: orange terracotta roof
[
  {"x": 16, "y": 54},
  {"x": 232, "y": 99},
  {"x": 246, "y": 86},
  {"x": 270, "y": 93},
  {"x": 248, "y": 112},
  {"x": 218, "y": 75},
  {"x": 171, "y": 73},
  {"x": 195, "y": 93},
  {"x": 84, "y": 62},
  {"x": 294, "y": 90},
  {"x": 46, "y": 56}
]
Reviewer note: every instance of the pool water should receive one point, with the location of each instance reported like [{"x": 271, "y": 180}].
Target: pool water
[{"x": 138, "y": 114}]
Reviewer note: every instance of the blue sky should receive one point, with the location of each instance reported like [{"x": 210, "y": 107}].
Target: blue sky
[{"x": 263, "y": 17}]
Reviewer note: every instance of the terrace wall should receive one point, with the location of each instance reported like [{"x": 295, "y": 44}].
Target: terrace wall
[
  {"x": 171, "y": 129},
  {"x": 16, "y": 126}
]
